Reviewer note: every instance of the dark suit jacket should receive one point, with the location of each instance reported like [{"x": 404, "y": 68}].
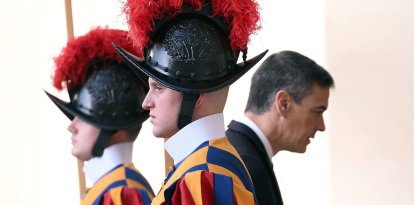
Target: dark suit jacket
[{"x": 254, "y": 155}]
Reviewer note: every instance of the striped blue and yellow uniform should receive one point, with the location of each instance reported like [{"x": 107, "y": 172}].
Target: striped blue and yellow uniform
[
  {"x": 212, "y": 174},
  {"x": 124, "y": 185}
]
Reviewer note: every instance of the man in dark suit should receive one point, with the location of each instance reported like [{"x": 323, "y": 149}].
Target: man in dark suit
[{"x": 289, "y": 93}]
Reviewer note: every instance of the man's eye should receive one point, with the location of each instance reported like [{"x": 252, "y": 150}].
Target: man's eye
[
  {"x": 158, "y": 88},
  {"x": 320, "y": 111}
]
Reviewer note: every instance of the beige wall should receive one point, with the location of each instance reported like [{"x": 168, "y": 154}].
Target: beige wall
[{"x": 370, "y": 51}]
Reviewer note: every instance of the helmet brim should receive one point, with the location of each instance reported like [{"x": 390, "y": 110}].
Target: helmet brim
[
  {"x": 141, "y": 66},
  {"x": 71, "y": 112}
]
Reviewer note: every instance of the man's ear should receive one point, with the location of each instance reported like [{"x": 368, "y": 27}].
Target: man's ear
[
  {"x": 201, "y": 99},
  {"x": 118, "y": 137},
  {"x": 281, "y": 102}
]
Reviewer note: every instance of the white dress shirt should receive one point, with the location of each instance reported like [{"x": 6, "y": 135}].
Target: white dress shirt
[
  {"x": 260, "y": 134},
  {"x": 112, "y": 156},
  {"x": 186, "y": 140}
]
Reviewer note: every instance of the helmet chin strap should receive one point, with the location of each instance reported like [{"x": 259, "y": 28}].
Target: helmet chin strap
[
  {"x": 187, "y": 109},
  {"x": 102, "y": 142}
]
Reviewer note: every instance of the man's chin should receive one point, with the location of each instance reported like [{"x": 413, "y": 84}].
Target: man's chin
[
  {"x": 299, "y": 150},
  {"x": 75, "y": 155},
  {"x": 302, "y": 151},
  {"x": 81, "y": 156},
  {"x": 164, "y": 135},
  {"x": 158, "y": 135}
]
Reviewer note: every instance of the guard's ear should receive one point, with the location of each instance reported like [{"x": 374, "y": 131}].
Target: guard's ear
[
  {"x": 281, "y": 102},
  {"x": 201, "y": 98},
  {"x": 118, "y": 137}
]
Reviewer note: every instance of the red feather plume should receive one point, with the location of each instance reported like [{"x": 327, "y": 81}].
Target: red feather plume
[
  {"x": 242, "y": 16},
  {"x": 72, "y": 64}
]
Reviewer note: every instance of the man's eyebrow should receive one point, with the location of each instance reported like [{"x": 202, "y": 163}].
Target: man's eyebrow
[{"x": 154, "y": 83}]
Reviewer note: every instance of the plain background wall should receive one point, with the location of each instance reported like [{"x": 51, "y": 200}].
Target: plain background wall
[
  {"x": 370, "y": 51},
  {"x": 364, "y": 157}
]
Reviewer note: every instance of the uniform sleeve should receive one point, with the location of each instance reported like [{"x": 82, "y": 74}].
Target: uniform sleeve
[
  {"x": 205, "y": 188},
  {"x": 126, "y": 196}
]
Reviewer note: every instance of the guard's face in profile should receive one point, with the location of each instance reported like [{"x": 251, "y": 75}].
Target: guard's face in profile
[
  {"x": 164, "y": 105},
  {"x": 306, "y": 118},
  {"x": 84, "y": 136}
]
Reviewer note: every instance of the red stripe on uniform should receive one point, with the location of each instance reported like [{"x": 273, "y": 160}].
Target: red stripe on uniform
[
  {"x": 207, "y": 191},
  {"x": 182, "y": 194},
  {"x": 130, "y": 196}
]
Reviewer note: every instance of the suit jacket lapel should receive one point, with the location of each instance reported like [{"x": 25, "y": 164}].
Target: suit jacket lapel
[
  {"x": 252, "y": 136},
  {"x": 247, "y": 132}
]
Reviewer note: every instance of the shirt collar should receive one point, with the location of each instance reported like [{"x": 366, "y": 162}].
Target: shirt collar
[
  {"x": 248, "y": 122},
  {"x": 112, "y": 156},
  {"x": 186, "y": 140}
]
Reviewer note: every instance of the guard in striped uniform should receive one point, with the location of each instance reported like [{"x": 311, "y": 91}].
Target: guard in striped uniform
[
  {"x": 105, "y": 98},
  {"x": 212, "y": 174},
  {"x": 190, "y": 51},
  {"x": 122, "y": 185}
]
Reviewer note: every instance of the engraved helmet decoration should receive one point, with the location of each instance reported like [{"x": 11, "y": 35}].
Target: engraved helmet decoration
[{"x": 103, "y": 91}]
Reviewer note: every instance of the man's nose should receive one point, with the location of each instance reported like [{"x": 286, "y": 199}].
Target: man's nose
[
  {"x": 147, "y": 103},
  {"x": 72, "y": 127},
  {"x": 321, "y": 125}
]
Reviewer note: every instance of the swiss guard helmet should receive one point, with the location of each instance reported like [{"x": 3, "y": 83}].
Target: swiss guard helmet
[
  {"x": 102, "y": 89},
  {"x": 191, "y": 46}
]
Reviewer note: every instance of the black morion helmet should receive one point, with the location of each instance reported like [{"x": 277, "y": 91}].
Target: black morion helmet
[
  {"x": 190, "y": 52},
  {"x": 111, "y": 96}
]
